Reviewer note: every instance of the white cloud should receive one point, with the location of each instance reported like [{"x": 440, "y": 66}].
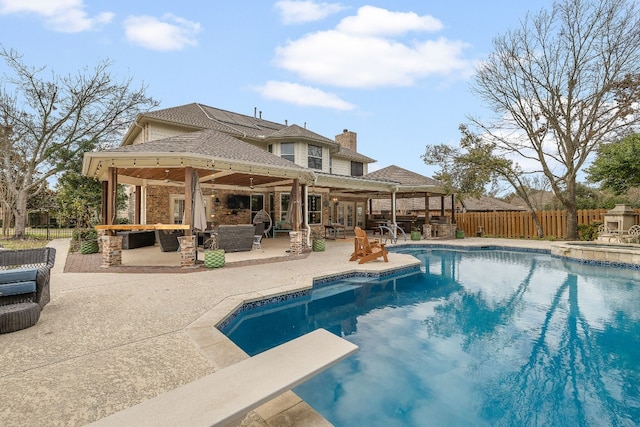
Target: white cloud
[
  {"x": 298, "y": 12},
  {"x": 66, "y": 16},
  {"x": 361, "y": 52},
  {"x": 302, "y": 95},
  {"x": 166, "y": 33},
  {"x": 340, "y": 59},
  {"x": 376, "y": 21}
]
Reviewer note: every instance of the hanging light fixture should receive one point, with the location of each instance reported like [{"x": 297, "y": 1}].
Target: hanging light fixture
[{"x": 251, "y": 183}]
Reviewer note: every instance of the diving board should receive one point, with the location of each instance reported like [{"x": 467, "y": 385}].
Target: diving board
[{"x": 225, "y": 397}]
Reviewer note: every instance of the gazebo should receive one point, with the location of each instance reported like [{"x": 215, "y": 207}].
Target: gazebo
[{"x": 209, "y": 156}]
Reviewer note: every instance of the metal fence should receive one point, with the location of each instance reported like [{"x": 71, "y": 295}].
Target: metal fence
[{"x": 44, "y": 232}]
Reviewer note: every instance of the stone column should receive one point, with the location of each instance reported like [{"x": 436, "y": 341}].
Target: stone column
[
  {"x": 111, "y": 250},
  {"x": 187, "y": 251},
  {"x": 295, "y": 242},
  {"x": 426, "y": 231}
]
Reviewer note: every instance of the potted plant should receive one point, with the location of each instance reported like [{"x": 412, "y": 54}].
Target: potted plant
[
  {"x": 213, "y": 257},
  {"x": 318, "y": 243},
  {"x": 415, "y": 233},
  {"x": 88, "y": 240}
]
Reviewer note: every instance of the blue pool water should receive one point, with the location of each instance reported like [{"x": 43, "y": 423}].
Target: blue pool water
[{"x": 477, "y": 338}]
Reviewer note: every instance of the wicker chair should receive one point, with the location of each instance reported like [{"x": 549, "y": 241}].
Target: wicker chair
[
  {"x": 20, "y": 303},
  {"x": 235, "y": 238},
  {"x": 168, "y": 239}
]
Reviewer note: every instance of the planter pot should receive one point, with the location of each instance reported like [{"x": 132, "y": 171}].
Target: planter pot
[
  {"x": 214, "y": 258},
  {"x": 459, "y": 234},
  {"x": 318, "y": 245},
  {"x": 88, "y": 247},
  {"x": 416, "y": 235}
]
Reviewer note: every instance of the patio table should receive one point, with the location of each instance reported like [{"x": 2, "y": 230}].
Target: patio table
[{"x": 332, "y": 231}]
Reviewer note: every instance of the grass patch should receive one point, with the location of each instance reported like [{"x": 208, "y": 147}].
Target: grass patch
[{"x": 11, "y": 243}]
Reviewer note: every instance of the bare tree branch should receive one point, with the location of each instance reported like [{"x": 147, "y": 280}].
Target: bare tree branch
[
  {"x": 561, "y": 84},
  {"x": 50, "y": 118}
]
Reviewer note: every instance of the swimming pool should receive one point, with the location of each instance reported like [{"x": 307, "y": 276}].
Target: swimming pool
[{"x": 473, "y": 338}]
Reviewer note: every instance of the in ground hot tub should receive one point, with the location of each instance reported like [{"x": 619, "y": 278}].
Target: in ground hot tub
[{"x": 599, "y": 252}]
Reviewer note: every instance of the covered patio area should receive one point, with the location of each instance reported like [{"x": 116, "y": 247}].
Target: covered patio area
[
  {"x": 209, "y": 162},
  {"x": 187, "y": 164},
  {"x": 151, "y": 259}
]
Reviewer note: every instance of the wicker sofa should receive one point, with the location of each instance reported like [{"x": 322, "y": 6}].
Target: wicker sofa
[
  {"x": 24, "y": 286},
  {"x": 236, "y": 238},
  {"x": 137, "y": 238}
]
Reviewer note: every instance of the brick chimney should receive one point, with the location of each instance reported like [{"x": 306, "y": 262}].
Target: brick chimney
[{"x": 348, "y": 139}]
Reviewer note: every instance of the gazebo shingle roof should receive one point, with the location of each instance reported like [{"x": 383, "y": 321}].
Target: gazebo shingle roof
[
  {"x": 208, "y": 142},
  {"x": 402, "y": 176}
]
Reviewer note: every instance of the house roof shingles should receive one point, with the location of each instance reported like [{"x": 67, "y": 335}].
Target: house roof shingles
[
  {"x": 346, "y": 153},
  {"x": 226, "y": 138},
  {"x": 295, "y": 131},
  {"x": 205, "y": 117}
]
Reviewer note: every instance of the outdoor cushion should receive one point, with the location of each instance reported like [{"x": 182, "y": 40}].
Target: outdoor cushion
[
  {"x": 18, "y": 275},
  {"x": 17, "y": 288}
]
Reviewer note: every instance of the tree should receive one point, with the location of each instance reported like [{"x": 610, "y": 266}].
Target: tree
[
  {"x": 561, "y": 84},
  {"x": 617, "y": 165},
  {"x": 46, "y": 123},
  {"x": 470, "y": 169},
  {"x": 79, "y": 197}
]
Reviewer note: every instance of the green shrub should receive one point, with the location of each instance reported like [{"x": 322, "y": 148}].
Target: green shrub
[
  {"x": 85, "y": 234},
  {"x": 588, "y": 232}
]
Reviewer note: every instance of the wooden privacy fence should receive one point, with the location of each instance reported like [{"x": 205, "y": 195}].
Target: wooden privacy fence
[{"x": 520, "y": 224}]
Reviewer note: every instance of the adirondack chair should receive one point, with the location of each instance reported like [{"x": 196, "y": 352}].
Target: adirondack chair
[{"x": 365, "y": 250}]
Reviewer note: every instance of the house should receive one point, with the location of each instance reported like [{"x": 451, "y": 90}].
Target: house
[{"x": 242, "y": 164}]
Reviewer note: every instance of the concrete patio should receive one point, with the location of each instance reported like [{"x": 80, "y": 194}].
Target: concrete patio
[{"x": 109, "y": 340}]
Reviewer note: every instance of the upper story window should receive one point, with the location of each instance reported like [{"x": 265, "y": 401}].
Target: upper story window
[
  {"x": 287, "y": 151},
  {"x": 315, "y": 157},
  {"x": 270, "y": 148},
  {"x": 357, "y": 169}
]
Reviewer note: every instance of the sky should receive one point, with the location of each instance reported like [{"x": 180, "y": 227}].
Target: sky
[{"x": 396, "y": 72}]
